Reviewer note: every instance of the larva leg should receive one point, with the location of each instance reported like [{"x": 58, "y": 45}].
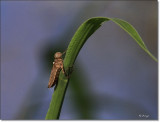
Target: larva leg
[
  {"x": 63, "y": 70},
  {"x": 69, "y": 70}
]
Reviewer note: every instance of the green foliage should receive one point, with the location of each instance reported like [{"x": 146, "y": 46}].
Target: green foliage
[{"x": 78, "y": 40}]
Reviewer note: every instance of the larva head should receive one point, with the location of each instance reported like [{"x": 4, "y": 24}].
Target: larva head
[{"x": 58, "y": 55}]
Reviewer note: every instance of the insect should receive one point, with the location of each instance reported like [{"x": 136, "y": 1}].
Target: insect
[{"x": 57, "y": 67}]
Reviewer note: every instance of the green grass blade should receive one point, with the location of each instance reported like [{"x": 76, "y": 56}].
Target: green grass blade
[
  {"x": 57, "y": 98},
  {"x": 78, "y": 40},
  {"x": 80, "y": 37},
  {"x": 133, "y": 33}
]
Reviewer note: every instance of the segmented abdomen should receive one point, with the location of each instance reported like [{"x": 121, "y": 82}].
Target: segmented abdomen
[{"x": 54, "y": 76}]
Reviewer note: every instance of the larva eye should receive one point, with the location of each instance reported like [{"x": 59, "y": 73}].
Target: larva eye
[{"x": 58, "y": 55}]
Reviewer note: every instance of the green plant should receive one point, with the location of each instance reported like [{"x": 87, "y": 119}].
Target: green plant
[{"x": 78, "y": 40}]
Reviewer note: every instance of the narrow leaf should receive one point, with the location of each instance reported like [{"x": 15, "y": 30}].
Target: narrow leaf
[
  {"x": 78, "y": 40},
  {"x": 133, "y": 33}
]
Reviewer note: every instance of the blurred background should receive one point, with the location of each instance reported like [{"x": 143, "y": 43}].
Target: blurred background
[{"x": 113, "y": 77}]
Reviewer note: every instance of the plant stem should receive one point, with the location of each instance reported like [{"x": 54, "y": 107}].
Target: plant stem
[
  {"x": 78, "y": 40},
  {"x": 57, "y": 98}
]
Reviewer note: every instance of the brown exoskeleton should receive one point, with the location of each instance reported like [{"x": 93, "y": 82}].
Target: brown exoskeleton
[{"x": 57, "y": 67}]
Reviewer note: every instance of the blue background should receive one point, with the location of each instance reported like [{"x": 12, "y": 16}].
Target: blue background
[{"x": 113, "y": 77}]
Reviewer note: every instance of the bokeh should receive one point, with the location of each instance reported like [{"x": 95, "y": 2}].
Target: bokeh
[{"x": 113, "y": 77}]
